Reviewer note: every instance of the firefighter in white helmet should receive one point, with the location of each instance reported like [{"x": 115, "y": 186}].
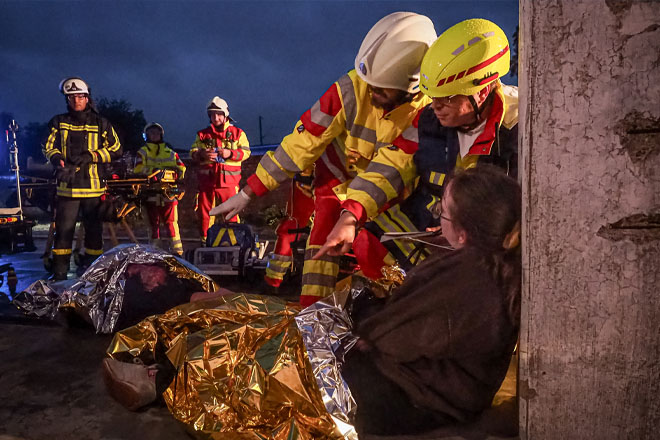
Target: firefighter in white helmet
[
  {"x": 158, "y": 155},
  {"x": 217, "y": 153},
  {"x": 366, "y": 108},
  {"x": 472, "y": 120},
  {"x": 79, "y": 143}
]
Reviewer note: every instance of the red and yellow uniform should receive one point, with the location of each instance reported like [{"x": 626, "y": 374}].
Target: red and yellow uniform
[
  {"x": 299, "y": 209},
  {"x": 421, "y": 167},
  {"x": 340, "y": 135},
  {"x": 160, "y": 208},
  {"x": 218, "y": 180}
]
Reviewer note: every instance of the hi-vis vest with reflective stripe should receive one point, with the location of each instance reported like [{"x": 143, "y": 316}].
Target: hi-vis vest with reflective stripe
[
  {"x": 436, "y": 155},
  {"x": 70, "y": 139},
  {"x": 340, "y": 133},
  {"x": 155, "y": 157}
]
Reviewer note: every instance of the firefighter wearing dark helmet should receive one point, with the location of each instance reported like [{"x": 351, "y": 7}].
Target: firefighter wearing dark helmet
[{"x": 79, "y": 143}]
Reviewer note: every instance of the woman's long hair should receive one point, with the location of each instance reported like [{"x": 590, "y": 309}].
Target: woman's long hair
[{"x": 487, "y": 206}]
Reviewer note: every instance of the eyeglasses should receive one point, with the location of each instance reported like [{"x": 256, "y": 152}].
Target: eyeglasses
[
  {"x": 78, "y": 96},
  {"x": 445, "y": 100},
  {"x": 439, "y": 212}
]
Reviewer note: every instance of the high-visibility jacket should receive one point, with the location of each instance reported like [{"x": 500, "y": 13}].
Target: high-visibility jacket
[
  {"x": 74, "y": 134},
  {"x": 426, "y": 153},
  {"x": 220, "y": 174},
  {"x": 155, "y": 157},
  {"x": 342, "y": 130}
]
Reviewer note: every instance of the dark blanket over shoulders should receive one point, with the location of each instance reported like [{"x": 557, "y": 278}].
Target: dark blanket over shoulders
[{"x": 445, "y": 336}]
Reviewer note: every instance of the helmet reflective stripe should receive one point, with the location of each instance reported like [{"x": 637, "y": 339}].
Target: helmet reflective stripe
[
  {"x": 73, "y": 85},
  {"x": 392, "y": 51},
  {"x": 465, "y": 58}
]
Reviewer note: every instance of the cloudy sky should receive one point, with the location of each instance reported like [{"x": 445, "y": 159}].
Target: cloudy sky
[{"x": 168, "y": 58}]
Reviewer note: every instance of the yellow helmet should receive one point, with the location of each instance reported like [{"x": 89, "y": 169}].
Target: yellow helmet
[
  {"x": 465, "y": 58},
  {"x": 393, "y": 49}
]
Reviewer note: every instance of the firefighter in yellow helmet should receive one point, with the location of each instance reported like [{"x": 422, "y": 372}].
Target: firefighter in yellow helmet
[
  {"x": 366, "y": 108},
  {"x": 472, "y": 120},
  {"x": 79, "y": 142},
  {"x": 157, "y": 155}
]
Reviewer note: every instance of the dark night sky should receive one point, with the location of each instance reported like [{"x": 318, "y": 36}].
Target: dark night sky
[{"x": 167, "y": 58}]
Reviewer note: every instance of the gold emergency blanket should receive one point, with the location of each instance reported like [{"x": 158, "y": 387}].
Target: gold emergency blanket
[{"x": 243, "y": 371}]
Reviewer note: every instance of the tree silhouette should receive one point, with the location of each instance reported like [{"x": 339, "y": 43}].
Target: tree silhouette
[
  {"x": 514, "y": 53},
  {"x": 127, "y": 122}
]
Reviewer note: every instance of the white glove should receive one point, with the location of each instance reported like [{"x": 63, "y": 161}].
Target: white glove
[{"x": 232, "y": 205}]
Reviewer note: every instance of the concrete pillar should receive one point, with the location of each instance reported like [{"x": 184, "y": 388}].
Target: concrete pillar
[{"x": 590, "y": 155}]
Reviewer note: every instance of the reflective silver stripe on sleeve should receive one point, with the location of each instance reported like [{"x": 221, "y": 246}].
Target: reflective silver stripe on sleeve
[
  {"x": 411, "y": 134},
  {"x": 309, "y": 253},
  {"x": 333, "y": 169},
  {"x": 364, "y": 133},
  {"x": 232, "y": 173},
  {"x": 370, "y": 188},
  {"x": 272, "y": 169},
  {"x": 389, "y": 172},
  {"x": 278, "y": 257},
  {"x": 286, "y": 161},
  {"x": 319, "y": 117},
  {"x": 319, "y": 279},
  {"x": 349, "y": 100},
  {"x": 380, "y": 144}
]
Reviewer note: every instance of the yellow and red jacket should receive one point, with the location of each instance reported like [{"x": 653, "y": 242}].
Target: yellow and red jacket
[
  {"x": 397, "y": 169},
  {"x": 72, "y": 136},
  {"x": 339, "y": 134},
  {"x": 220, "y": 175}
]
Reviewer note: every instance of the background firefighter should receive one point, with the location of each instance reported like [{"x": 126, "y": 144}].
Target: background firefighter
[
  {"x": 217, "y": 153},
  {"x": 157, "y": 155},
  {"x": 472, "y": 120},
  {"x": 299, "y": 209},
  {"x": 79, "y": 141},
  {"x": 365, "y": 109}
]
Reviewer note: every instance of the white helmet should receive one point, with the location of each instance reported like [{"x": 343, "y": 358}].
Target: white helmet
[
  {"x": 217, "y": 104},
  {"x": 73, "y": 85},
  {"x": 392, "y": 51},
  {"x": 154, "y": 124}
]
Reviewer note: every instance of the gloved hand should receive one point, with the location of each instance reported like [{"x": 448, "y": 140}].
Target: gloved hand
[
  {"x": 65, "y": 174},
  {"x": 56, "y": 160},
  {"x": 232, "y": 206},
  {"x": 83, "y": 159}
]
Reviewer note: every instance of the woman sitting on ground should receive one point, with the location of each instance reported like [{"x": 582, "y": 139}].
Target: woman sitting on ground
[{"x": 437, "y": 352}]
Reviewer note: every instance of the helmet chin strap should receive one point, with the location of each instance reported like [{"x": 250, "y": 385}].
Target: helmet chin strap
[{"x": 478, "y": 110}]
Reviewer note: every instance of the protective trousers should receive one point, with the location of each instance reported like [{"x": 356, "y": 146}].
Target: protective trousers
[
  {"x": 166, "y": 213},
  {"x": 372, "y": 255},
  {"x": 207, "y": 198},
  {"x": 320, "y": 276},
  {"x": 67, "y": 209},
  {"x": 300, "y": 209}
]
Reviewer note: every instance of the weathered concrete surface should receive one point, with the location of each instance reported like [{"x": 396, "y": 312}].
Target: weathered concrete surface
[{"x": 590, "y": 127}]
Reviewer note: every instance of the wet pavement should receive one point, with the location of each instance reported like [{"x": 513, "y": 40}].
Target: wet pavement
[{"x": 51, "y": 386}]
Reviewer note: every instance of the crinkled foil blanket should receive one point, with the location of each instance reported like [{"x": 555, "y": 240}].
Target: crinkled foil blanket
[
  {"x": 97, "y": 296},
  {"x": 252, "y": 366}
]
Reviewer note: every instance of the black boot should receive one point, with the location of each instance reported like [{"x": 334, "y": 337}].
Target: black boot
[{"x": 60, "y": 267}]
